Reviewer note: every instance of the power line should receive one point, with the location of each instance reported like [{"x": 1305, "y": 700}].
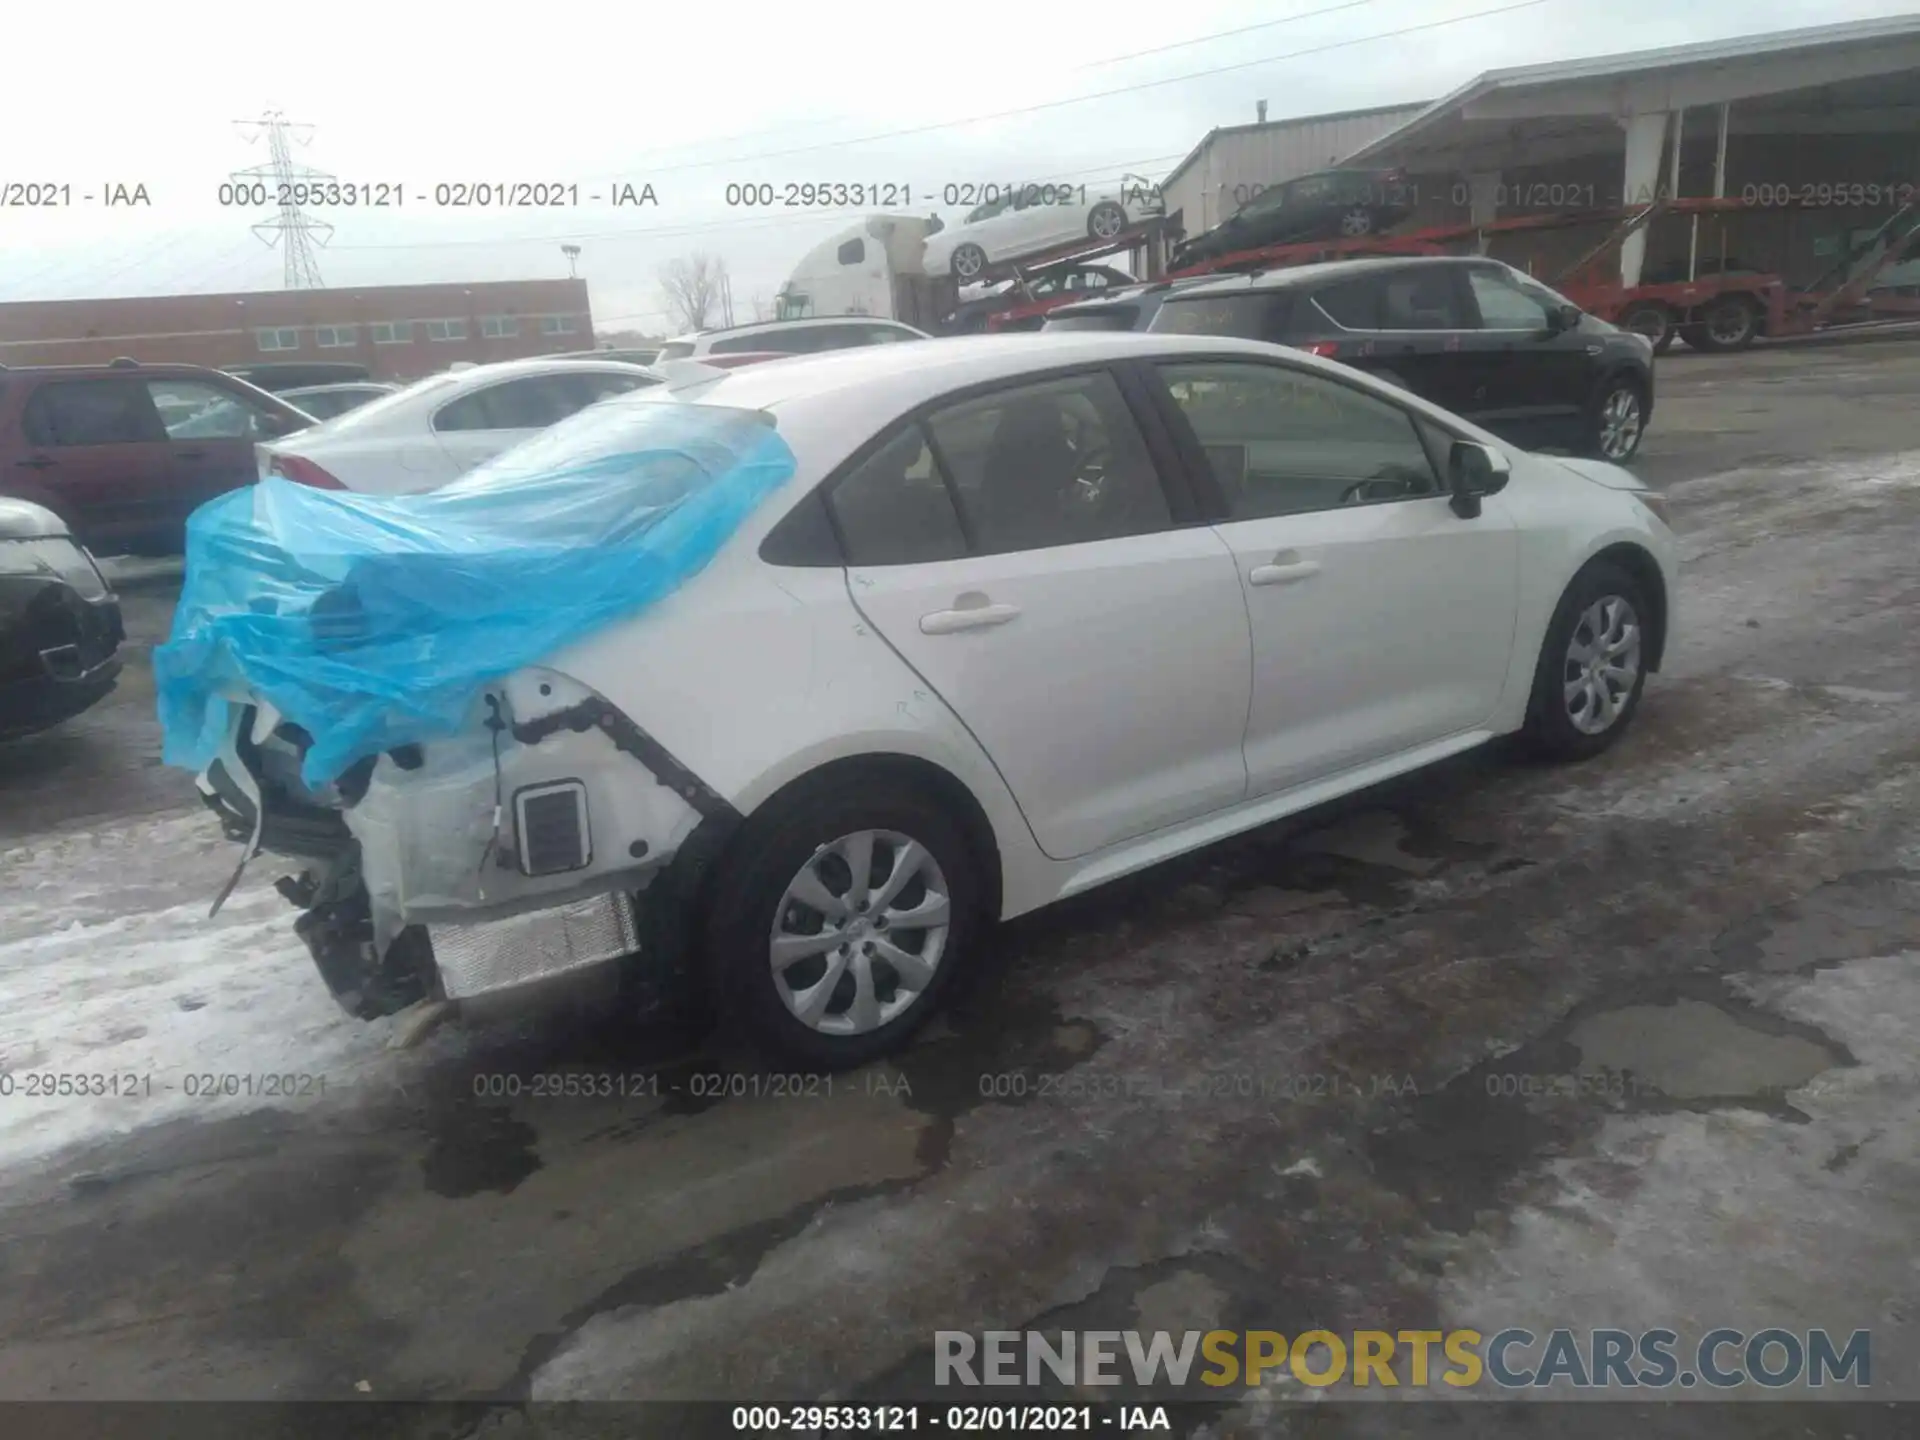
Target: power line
[
  {"x": 1118, "y": 90},
  {"x": 1224, "y": 34}
]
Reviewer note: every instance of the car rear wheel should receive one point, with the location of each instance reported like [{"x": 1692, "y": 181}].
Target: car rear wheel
[
  {"x": 1653, "y": 321},
  {"x": 1106, "y": 220},
  {"x": 1725, "y": 325},
  {"x": 841, "y": 917},
  {"x": 1357, "y": 221},
  {"x": 1619, "y": 420},
  {"x": 1592, "y": 668},
  {"x": 969, "y": 260}
]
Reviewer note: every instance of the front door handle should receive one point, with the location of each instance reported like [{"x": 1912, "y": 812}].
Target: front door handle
[
  {"x": 971, "y": 617},
  {"x": 1283, "y": 573},
  {"x": 37, "y": 462},
  {"x": 189, "y": 454}
]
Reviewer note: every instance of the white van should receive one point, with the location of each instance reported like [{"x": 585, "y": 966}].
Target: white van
[{"x": 872, "y": 268}]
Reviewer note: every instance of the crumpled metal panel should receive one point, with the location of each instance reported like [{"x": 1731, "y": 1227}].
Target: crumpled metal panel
[{"x": 499, "y": 954}]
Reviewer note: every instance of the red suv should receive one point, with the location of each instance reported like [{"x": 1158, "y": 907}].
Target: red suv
[{"x": 125, "y": 452}]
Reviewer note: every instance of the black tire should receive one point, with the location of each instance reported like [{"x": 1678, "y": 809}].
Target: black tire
[
  {"x": 1610, "y": 393},
  {"x": 1728, "y": 324},
  {"x": 1653, "y": 320},
  {"x": 975, "y": 256},
  {"x": 770, "y": 850},
  {"x": 1550, "y": 731},
  {"x": 1109, "y": 211}
]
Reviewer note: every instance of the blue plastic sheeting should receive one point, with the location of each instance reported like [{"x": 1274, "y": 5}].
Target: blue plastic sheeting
[{"x": 373, "y": 620}]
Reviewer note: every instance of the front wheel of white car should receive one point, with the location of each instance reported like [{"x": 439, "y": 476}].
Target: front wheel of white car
[
  {"x": 840, "y": 918},
  {"x": 1592, "y": 665}
]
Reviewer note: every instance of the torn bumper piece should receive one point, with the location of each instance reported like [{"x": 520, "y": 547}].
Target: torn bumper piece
[{"x": 520, "y": 851}]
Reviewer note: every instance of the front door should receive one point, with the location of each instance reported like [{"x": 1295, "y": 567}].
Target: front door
[
  {"x": 1019, "y": 551},
  {"x": 1381, "y": 620},
  {"x": 1530, "y": 378}
]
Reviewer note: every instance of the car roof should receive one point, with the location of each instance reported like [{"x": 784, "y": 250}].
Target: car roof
[
  {"x": 898, "y": 377},
  {"x": 800, "y": 323},
  {"x": 339, "y": 385},
  {"x": 1327, "y": 272},
  {"x": 117, "y": 368}
]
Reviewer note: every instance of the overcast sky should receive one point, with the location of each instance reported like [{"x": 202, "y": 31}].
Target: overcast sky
[{"x": 688, "y": 98}]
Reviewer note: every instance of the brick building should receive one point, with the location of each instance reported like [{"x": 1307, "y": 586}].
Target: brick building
[{"x": 399, "y": 332}]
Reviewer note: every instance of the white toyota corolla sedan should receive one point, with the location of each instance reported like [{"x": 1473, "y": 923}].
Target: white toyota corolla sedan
[{"x": 1034, "y": 613}]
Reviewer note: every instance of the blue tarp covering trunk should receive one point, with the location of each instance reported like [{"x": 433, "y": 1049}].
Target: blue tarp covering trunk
[{"x": 372, "y": 620}]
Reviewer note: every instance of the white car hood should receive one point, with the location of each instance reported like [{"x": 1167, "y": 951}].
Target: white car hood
[{"x": 1602, "y": 472}]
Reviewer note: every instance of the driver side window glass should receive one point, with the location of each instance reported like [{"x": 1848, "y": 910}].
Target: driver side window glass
[
  {"x": 1285, "y": 442},
  {"x": 1504, "y": 306},
  {"x": 1055, "y": 463}
]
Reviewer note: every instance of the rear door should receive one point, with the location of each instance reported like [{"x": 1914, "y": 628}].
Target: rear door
[
  {"x": 1381, "y": 620},
  {"x": 1022, "y": 550},
  {"x": 98, "y": 450},
  {"x": 1423, "y": 321}
]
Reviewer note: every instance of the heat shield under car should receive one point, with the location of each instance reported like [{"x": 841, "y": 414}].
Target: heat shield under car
[{"x": 370, "y": 621}]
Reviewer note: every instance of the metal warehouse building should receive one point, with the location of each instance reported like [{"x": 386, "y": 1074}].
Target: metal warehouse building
[
  {"x": 1818, "y": 129},
  {"x": 1234, "y": 163},
  {"x": 396, "y": 331}
]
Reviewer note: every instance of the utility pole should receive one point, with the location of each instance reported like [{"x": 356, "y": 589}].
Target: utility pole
[
  {"x": 572, "y": 252},
  {"x": 298, "y": 233}
]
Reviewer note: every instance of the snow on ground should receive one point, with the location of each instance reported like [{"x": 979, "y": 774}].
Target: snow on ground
[{"x": 122, "y": 1004}]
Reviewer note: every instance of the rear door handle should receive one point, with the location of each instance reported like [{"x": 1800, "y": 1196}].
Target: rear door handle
[
  {"x": 37, "y": 462},
  {"x": 189, "y": 454},
  {"x": 975, "y": 617},
  {"x": 1283, "y": 573}
]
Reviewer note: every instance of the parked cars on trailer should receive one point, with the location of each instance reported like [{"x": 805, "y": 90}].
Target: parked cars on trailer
[
  {"x": 1023, "y": 219},
  {"x": 123, "y": 453},
  {"x": 1326, "y": 205},
  {"x": 1024, "y": 298},
  {"x": 324, "y": 402},
  {"x": 1468, "y": 333},
  {"x": 790, "y": 337},
  {"x": 1141, "y": 592},
  {"x": 59, "y": 622},
  {"x": 430, "y": 432}
]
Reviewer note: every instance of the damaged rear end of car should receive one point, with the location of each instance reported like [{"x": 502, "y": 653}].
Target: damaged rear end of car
[{"x": 359, "y": 683}]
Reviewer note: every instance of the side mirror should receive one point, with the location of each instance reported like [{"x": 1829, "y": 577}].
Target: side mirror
[
  {"x": 1562, "y": 318},
  {"x": 1474, "y": 470}
]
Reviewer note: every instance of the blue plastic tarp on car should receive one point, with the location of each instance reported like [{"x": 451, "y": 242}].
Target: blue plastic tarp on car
[{"x": 372, "y": 621}]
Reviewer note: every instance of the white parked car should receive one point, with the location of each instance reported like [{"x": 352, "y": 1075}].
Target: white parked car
[
  {"x": 437, "y": 429},
  {"x": 1035, "y": 612},
  {"x": 325, "y": 402},
  {"x": 1034, "y": 218},
  {"x": 789, "y": 337}
]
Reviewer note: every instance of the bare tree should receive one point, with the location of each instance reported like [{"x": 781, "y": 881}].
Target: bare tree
[
  {"x": 762, "y": 306},
  {"x": 692, "y": 287}
]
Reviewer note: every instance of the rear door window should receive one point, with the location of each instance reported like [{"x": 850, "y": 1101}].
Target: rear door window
[
  {"x": 92, "y": 412},
  {"x": 1354, "y": 305},
  {"x": 532, "y": 403},
  {"x": 1424, "y": 299},
  {"x": 1059, "y": 462}
]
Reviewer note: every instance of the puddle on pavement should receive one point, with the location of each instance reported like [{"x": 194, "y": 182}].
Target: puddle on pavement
[
  {"x": 1856, "y": 917},
  {"x": 1691, "y": 1051},
  {"x": 473, "y": 1148}
]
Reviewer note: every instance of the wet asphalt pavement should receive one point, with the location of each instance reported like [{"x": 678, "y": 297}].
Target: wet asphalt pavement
[{"x": 1336, "y": 1075}]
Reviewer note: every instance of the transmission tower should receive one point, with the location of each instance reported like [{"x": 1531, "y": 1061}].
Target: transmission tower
[{"x": 297, "y": 232}]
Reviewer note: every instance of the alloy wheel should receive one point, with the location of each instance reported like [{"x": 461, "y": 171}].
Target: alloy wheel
[
  {"x": 1620, "y": 423},
  {"x": 1107, "y": 221},
  {"x": 1357, "y": 221},
  {"x": 860, "y": 932},
  {"x": 968, "y": 261},
  {"x": 1602, "y": 665}
]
